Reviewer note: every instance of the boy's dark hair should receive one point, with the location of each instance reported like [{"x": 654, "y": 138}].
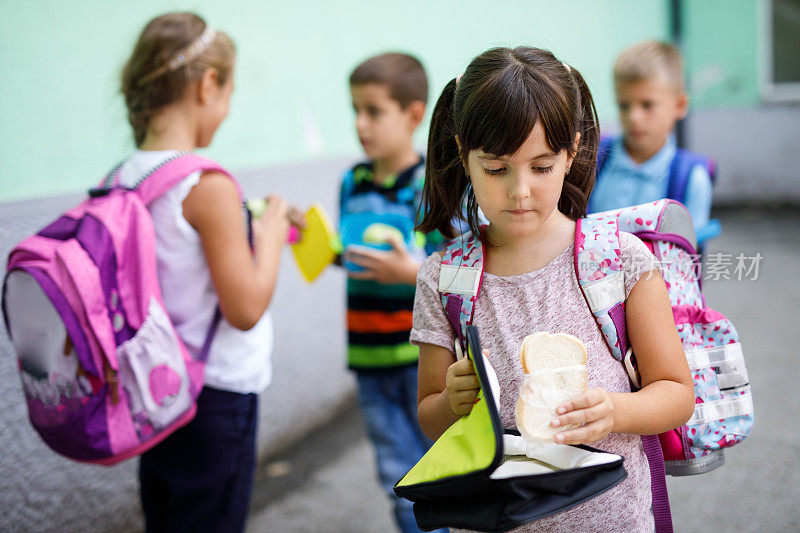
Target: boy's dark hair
[
  {"x": 403, "y": 74},
  {"x": 494, "y": 107},
  {"x": 146, "y": 89}
]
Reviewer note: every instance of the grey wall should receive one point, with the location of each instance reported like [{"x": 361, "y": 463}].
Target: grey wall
[
  {"x": 41, "y": 491},
  {"x": 758, "y": 151}
]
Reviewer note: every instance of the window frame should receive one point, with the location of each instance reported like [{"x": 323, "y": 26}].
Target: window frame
[{"x": 770, "y": 90}]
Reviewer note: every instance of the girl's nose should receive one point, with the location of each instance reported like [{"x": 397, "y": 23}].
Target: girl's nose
[{"x": 520, "y": 189}]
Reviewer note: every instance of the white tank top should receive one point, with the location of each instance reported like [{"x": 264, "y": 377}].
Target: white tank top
[{"x": 239, "y": 361}]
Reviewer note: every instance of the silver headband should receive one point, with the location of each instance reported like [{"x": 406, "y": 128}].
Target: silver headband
[{"x": 185, "y": 56}]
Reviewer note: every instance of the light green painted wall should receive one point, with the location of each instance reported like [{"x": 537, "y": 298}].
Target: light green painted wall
[
  {"x": 63, "y": 124},
  {"x": 721, "y": 46}
]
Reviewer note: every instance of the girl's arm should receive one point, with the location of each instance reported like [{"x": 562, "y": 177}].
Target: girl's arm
[
  {"x": 447, "y": 389},
  {"x": 244, "y": 283},
  {"x": 666, "y": 399}
]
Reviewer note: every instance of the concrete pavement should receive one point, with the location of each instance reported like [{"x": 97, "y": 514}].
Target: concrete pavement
[{"x": 326, "y": 483}]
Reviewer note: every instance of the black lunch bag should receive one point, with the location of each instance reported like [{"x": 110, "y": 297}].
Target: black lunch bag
[{"x": 466, "y": 481}]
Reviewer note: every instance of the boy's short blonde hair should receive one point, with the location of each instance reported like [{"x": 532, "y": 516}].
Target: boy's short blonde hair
[{"x": 650, "y": 59}]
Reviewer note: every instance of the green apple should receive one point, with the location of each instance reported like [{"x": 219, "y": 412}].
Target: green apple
[
  {"x": 379, "y": 233},
  {"x": 256, "y": 206}
]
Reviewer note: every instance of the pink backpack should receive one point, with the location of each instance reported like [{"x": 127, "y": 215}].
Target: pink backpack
[
  {"x": 723, "y": 414},
  {"x": 104, "y": 374}
]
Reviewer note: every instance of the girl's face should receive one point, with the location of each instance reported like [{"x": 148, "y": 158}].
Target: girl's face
[
  {"x": 518, "y": 193},
  {"x": 215, "y": 108}
]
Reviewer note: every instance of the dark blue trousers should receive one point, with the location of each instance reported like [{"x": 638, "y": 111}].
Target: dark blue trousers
[{"x": 200, "y": 477}]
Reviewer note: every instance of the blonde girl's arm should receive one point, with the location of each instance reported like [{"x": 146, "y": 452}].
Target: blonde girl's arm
[
  {"x": 447, "y": 389},
  {"x": 244, "y": 283},
  {"x": 666, "y": 399}
]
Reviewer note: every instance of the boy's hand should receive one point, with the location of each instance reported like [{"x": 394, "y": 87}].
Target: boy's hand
[
  {"x": 462, "y": 386},
  {"x": 593, "y": 411},
  {"x": 297, "y": 218},
  {"x": 388, "y": 267}
]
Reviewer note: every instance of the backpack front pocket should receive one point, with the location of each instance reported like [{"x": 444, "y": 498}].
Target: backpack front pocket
[{"x": 154, "y": 374}]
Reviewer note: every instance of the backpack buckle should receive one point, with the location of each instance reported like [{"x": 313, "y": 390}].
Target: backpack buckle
[{"x": 459, "y": 279}]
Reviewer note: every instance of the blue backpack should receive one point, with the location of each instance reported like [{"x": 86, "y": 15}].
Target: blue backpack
[{"x": 679, "y": 173}]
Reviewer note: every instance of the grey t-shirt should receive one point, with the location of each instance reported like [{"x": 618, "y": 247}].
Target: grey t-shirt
[{"x": 549, "y": 299}]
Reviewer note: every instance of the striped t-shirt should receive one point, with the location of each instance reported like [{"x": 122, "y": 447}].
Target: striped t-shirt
[{"x": 379, "y": 316}]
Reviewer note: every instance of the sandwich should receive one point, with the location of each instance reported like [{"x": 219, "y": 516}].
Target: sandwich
[{"x": 555, "y": 371}]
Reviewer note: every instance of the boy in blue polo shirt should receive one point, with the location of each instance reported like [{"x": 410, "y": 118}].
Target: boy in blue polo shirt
[{"x": 644, "y": 164}]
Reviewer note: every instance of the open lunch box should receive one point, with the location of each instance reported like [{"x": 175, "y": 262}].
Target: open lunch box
[{"x": 479, "y": 476}]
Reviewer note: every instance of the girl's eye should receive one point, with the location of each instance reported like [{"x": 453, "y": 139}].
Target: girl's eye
[
  {"x": 543, "y": 170},
  {"x": 494, "y": 171}
]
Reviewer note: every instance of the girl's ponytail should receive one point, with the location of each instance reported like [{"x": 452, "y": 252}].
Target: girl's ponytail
[
  {"x": 445, "y": 178},
  {"x": 579, "y": 182}
]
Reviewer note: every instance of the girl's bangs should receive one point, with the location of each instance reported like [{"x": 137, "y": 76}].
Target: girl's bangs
[{"x": 502, "y": 115}]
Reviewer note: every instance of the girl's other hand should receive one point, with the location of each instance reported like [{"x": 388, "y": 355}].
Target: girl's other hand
[
  {"x": 593, "y": 411},
  {"x": 272, "y": 227},
  {"x": 462, "y": 386}
]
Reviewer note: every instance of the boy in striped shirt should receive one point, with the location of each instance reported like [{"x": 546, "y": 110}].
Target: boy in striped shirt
[{"x": 389, "y": 94}]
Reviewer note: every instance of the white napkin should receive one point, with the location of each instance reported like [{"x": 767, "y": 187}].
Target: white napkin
[{"x": 560, "y": 456}]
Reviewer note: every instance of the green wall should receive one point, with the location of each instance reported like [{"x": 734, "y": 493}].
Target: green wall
[
  {"x": 63, "y": 123},
  {"x": 721, "y": 46}
]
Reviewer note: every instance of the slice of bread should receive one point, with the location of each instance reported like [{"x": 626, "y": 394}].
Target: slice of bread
[
  {"x": 555, "y": 371},
  {"x": 541, "y": 351}
]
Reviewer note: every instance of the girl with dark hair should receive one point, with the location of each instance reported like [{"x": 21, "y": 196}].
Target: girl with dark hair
[{"x": 516, "y": 136}]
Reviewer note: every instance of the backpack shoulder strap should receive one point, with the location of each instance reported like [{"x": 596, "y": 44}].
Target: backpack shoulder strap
[
  {"x": 410, "y": 194},
  {"x": 417, "y": 184},
  {"x": 350, "y": 179},
  {"x": 681, "y": 170},
  {"x": 162, "y": 179},
  {"x": 172, "y": 171},
  {"x": 460, "y": 276},
  {"x": 603, "y": 152},
  {"x": 348, "y": 182},
  {"x": 598, "y": 267}
]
